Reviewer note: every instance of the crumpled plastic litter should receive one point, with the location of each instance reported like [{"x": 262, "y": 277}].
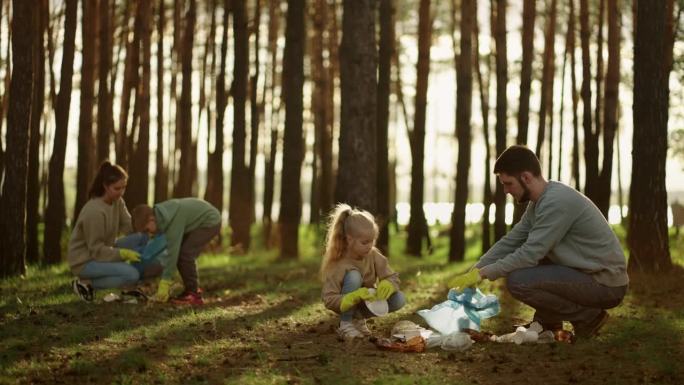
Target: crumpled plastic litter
[
  {"x": 462, "y": 310},
  {"x": 534, "y": 334},
  {"x": 457, "y": 341}
]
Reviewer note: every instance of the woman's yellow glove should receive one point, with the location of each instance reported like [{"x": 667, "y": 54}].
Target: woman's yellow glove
[
  {"x": 163, "y": 289},
  {"x": 469, "y": 279},
  {"x": 130, "y": 256},
  {"x": 385, "y": 289},
  {"x": 356, "y": 296}
]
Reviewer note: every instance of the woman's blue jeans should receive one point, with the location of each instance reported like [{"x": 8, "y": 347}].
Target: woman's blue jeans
[
  {"x": 353, "y": 281},
  {"x": 105, "y": 275}
]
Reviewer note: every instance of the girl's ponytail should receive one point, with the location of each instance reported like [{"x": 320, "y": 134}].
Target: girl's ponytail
[
  {"x": 107, "y": 174},
  {"x": 334, "y": 240}
]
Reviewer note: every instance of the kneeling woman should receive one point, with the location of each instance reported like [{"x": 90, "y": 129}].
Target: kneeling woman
[{"x": 92, "y": 256}]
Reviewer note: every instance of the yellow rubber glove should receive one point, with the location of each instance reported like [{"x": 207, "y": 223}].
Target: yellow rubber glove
[
  {"x": 385, "y": 289},
  {"x": 163, "y": 289},
  {"x": 469, "y": 279},
  {"x": 356, "y": 296},
  {"x": 130, "y": 256}
]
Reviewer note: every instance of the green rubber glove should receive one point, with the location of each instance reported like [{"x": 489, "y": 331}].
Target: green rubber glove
[
  {"x": 130, "y": 256},
  {"x": 163, "y": 289},
  {"x": 469, "y": 279},
  {"x": 356, "y": 296},
  {"x": 385, "y": 289}
]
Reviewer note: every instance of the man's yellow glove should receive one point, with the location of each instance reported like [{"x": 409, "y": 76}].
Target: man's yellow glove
[
  {"x": 356, "y": 296},
  {"x": 469, "y": 279},
  {"x": 130, "y": 256},
  {"x": 163, "y": 289},
  {"x": 385, "y": 289}
]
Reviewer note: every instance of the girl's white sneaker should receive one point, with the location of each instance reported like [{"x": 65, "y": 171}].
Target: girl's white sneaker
[{"x": 348, "y": 331}]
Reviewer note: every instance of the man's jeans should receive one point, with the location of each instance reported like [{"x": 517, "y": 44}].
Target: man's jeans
[
  {"x": 559, "y": 293},
  {"x": 353, "y": 281},
  {"x": 104, "y": 275}
]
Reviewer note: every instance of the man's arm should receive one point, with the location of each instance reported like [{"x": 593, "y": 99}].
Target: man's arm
[{"x": 509, "y": 243}]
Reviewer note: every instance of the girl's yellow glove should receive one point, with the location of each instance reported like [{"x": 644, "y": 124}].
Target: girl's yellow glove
[
  {"x": 385, "y": 289},
  {"x": 163, "y": 289},
  {"x": 356, "y": 296},
  {"x": 128, "y": 255}
]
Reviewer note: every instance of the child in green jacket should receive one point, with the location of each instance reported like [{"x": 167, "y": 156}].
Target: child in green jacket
[{"x": 189, "y": 224}]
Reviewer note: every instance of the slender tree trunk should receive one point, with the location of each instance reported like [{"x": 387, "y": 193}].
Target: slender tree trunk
[
  {"x": 13, "y": 200},
  {"x": 130, "y": 83},
  {"x": 2, "y": 99},
  {"x": 174, "y": 137},
  {"x": 239, "y": 191},
  {"x": 529, "y": 15},
  {"x": 33, "y": 175},
  {"x": 255, "y": 117},
  {"x": 598, "y": 113},
  {"x": 357, "y": 177},
  {"x": 385, "y": 54},
  {"x": 105, "y": 114},
  {"x": 85, "y": 125},
  {"x": 293, "y": 141},
  {"x": 55, "y": 212},
  {"x": 546, "y": 103},
  {"x": 318, "y": 14},
  {"x": 328, "y": 166},
  {"x": 499, "y": 33},
  {"x": 214, "y": 191},
  {"x": 647, "y": 236},
  {"x": 590, "y": 143},
  {"x": 417, "y": 222},
  {"x": 185, "y": 174},
  {"x": 161, "y": 175},
  {"x": 269, "y": 167},
  {"x": 575, "y": 97},
  {"x": 561, "y": 110},
  {"x": 464, "y": 94}
]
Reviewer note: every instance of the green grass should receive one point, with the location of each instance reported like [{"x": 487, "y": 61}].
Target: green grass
[{"x": 264, "y": 324}]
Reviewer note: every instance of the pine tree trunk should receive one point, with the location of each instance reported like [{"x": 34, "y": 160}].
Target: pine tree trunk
[
  {"x": 13, "y": 200},
  {"x": 357, "y": 177},
  {"x": 255, "y": 117},
  {"x": 293, "y": 141},
  {"x": 417, "y": 222},
  {"x": 105, "y": 114},
  {"x": 161, "y": 175},
  {"x": 575, "y": 97},
  {"x": 185, "y": 174},
  {"x": 130, "y": 83},
  {"x": 86, "y": 144},
  {"x": 598, "y": 113},
  {"x": 499, "y": 33},
  {"x": 464, "y": 95},
  {"x": 33, "y": 175},
  {"x": 610, "y": 113},
  {"x": 647, "y": 236},
  {"x": 239, "y": 191},
  {"x": 546, "y": 101},
  {"x": 590, "y": 143},
  {"x": 2, "y": 100},
  {"x": 318, "y": 14},
  {"x": 55, "y": 212},
  {"x": 385, "y": 54}
]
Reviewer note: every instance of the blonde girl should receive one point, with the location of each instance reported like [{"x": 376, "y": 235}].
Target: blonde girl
[{"x": 351, "y": 265}]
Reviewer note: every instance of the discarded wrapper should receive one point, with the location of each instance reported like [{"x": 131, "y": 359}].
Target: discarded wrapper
[{"x": 415, "y": 344}]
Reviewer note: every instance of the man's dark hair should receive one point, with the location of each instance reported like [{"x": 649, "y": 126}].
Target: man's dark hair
[{"x": 516, "y": 159}]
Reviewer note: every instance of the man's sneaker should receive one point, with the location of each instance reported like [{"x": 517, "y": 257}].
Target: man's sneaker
[
  {"x": 552, "y": 326},
  {"x": 360, "y": 325},
  {"x": 188, "y": 299},
  {"x": 348, "y": 331},
  {"x": 591, "y": 328},
  {"x": 84, "y": 291}
]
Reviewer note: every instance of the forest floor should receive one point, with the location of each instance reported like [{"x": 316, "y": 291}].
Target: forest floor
[{"x": 264, "y": 323}]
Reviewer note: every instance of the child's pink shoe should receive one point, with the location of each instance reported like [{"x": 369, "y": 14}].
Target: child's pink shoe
[{"x": 188, "y": 299}]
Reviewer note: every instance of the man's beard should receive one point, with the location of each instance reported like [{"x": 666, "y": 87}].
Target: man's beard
[{"x": 525, "y": 197}]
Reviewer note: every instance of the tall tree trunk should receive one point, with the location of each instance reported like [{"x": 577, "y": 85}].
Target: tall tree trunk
[
  {"x": 239, "y": 191},
  {"x": 546, "y": 101},
  {"x": 333, "y": 43},
  {"x": 647, "y": 236},
  {"x": 599, "y": 81},
  {"x": 105, "y": 114},
  {"x": 13, "y": 200},
  {"x": 174, "y": 137},
  {"x": 130, "y": 83},
  {"x": 2, "y": 98},
  {"x": 255, "y": 117},
  {"x": 529, "y": 14},
  {"x": 293, "y": 141},
  {"x": 214, "y": 191},
  {"x": 161, "y": 174},
  {"x": 590, "y": 143},
  {"x": 33, "y": 177},
  {"x": 610, "y": 113},
  {"x": 357, "y": 177},
  {"x": 269, "y": 167},
  {"x": 318, "y": 14},
  {"x": 499, "y": 33},
  {"x": 464, "y": 95},
  {"x": 185, "y": 173},
  {"x": 55, "y": 212},
  {"x": 385, "y": 54},
  {"x": 575, "y": 97},
  {"x": 85, "y": 125},
  {"x": 417, "y": 222},
  {"x": 561, "y": 111}
]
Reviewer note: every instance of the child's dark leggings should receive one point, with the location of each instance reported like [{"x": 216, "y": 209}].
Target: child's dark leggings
[{"x": 191, "y": 247}]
